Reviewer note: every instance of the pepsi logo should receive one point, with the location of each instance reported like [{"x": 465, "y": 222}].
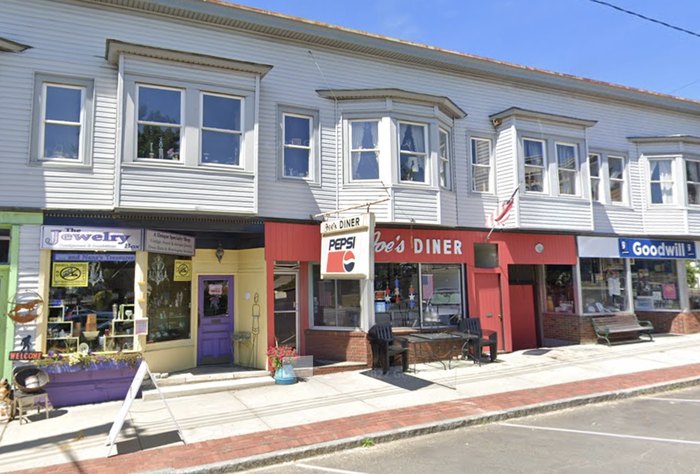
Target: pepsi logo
[{"x": 348, "y": 261}]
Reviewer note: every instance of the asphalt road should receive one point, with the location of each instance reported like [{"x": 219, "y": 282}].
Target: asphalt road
[{"x": 654, "y": 434}]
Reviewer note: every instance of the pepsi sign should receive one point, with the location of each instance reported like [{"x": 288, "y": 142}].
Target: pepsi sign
[{"x": 346, "y": 248}]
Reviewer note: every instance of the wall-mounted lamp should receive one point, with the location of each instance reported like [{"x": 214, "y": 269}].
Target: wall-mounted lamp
[{"x": 219, "y": 253}]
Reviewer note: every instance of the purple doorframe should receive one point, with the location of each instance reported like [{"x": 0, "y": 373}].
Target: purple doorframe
[{"x": 215, "y": 317}]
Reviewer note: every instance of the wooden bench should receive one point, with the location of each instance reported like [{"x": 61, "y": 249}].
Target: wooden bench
[
  {"x": 385, "y": 347},
  {"x": 607, "y": 326}
]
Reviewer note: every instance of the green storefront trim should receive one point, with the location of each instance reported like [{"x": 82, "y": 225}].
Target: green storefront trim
[{"x": 12, "y": 220}]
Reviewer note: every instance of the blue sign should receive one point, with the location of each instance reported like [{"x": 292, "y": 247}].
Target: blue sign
[
  {"x": 645, "y": 248},
  {"x": 94, "y": 257}
]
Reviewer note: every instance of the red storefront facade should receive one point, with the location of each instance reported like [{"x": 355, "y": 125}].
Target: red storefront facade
[{"x": 489, "y": 291}]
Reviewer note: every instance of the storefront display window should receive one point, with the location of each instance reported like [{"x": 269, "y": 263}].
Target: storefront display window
[
  {"x": 655, "y": 284},
  {"x": 91, "y": 302},
  {"x": 412, "y": 295},
  {"x": 603, "y": 285},
  {"x": 169, "y": 297},
  {"x": 335, "y": 302},
  {"x": 559, "y": 288}
]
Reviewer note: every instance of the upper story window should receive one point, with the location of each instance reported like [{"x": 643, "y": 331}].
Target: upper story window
[
  {"x": 567, "y": 164},
  {"x": 61, "y": 132},
  {"x": 661, "y": 180},
  {"x": 594, "y": 170},
  {"x": 159, "y": 123},
  {"x": 481, "y": 165},
  {"x": 444, "y": 166},
  {"x": 616, "y": 174},
  {"x": 364, "y": 149},
  {"x": 221, "y": 133},
  {"x": 4, "y": 246},
  {"x": 297, "y": 146},
  {"x": 534, "y": 159},
  {"x": 692, "y": 178},
  {"x": 413, "y": 155}
]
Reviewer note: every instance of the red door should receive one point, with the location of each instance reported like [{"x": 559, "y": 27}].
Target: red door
[
  {"x": 522, "y": 317},
  {"x": 215, "y": 320},
  {"x": 488, "y": 303}
]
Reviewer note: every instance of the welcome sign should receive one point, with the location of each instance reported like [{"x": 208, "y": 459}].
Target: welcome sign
[{"x": 347, "y": 248}]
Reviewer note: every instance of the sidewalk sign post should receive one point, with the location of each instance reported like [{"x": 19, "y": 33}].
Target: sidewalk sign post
[{"x": 126, "y": 406}]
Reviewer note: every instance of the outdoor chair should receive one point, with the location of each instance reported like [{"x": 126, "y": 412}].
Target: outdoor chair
[
  {"x": 475, "y": 339},
  {"x": 385, "y": 347}
]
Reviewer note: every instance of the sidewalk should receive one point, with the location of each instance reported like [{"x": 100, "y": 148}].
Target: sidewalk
[{"x": 248, "y": 428}]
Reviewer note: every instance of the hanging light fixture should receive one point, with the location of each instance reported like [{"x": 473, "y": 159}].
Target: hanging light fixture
[{"x": 219, "y": 252}]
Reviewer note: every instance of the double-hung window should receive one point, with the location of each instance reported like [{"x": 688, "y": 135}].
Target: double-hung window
[
  {"x": 481, "y": 165},
  {"x": 297, "y": 147},
  {"x": 221, "y": 129},
  {"x": 444, "y": 169},
  {"x": 616, "y": 175},
  {"x": 413, "y": 152},
  {"x": 567, "y": 164},
  {"x": 62, "y": 120},
  {"x": 661, "y": 180},
  {"x": 692, "y": 178},
  {"x": 364, "y": 149},
  {"x": 534, "y": 160},
  {"x": 594, "y": 170},
  {"x": 159, "y": 122}
]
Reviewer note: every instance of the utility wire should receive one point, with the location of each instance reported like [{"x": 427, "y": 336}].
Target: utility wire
[{"x": 643, "y": 17}]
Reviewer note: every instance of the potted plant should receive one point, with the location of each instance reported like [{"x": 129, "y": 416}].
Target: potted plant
[
  {"x": 281, "y": 361},
  {"x": 83, "y": 378}
]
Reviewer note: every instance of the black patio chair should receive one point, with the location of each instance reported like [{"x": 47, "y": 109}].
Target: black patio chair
[
  {"x": 475, "y": 339},
  {"x": 385, "y": 347}
]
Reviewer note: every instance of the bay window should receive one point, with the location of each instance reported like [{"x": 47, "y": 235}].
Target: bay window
[
  {"x": 616, "y": 175},
  {"x": 534, "y": 160},
  {"x": 661, "y": 180},
  {"x": 364, "y": 149},
  {"x": 692, "y": 179},
  {"x": 413, "y": 154},
  {"x": 594, "y": 170},
  {"x": 481, "y": 165},
  {"x": 444, "y": 166},
  {"x": 567, "y": 164}
]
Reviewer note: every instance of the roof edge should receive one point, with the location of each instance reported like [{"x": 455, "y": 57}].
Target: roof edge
[{"x": 498, "y": 117}]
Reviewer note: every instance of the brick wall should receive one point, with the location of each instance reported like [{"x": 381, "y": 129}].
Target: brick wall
[
  {"x": 337, "y": 346},
  {"x": 671, "y": 322}
]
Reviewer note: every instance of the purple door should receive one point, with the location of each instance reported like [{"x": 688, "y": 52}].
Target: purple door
[{"x": 215, "y": 320}]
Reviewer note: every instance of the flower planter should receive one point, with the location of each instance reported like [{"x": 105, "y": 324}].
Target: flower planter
[
  {"x": 76, "y": 385},
  {"x": 285, "y": 375}
]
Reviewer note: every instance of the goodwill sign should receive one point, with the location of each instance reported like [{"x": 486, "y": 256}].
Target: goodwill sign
[
  {"x": 347, "y": 248},
  {"x": 644, "y": 248}
]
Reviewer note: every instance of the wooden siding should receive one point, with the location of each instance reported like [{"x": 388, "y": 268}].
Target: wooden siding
[
  {"x": 28, "y": 277},
  {"x": 552, "y": 213}
]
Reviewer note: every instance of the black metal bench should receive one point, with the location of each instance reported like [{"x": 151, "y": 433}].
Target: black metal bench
[
  {"x": 385, "y": 347},
  {"x": 608, "y": 326}
]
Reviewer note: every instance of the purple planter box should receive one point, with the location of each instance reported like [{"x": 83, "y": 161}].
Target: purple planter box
[{"x": 83, "y": 386}]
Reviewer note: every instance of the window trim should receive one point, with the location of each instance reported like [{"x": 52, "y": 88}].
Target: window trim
[
  {"x": 85, "y": 138},
  {"x": 598, "y": 178},
  {"x": 622, "y": 179},
  {"x": 687, "y": 181},
  {"x": 202, "y": 128},
  {"x": 445, "y": 160},
  {"x": 543, "y": 167},
  {"x": 674, "y": 179},
  {"x": 427, "y": 169},
  {"x": 314, "y": 176},
  {"x": 351, "y": 150},
  {"x": 474, "y": 165},
  {"x": 181, "y": 126},
  {"x": 575, "y": 170}
]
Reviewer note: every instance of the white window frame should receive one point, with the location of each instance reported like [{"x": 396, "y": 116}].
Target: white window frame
[
  {"x": 622, "y": 179},
  {"x": 202, "y": 128},
  {"x": 444, "y": 159},
  {"x": 673, "y": 181},
  {"x": 688, "y": 182},
  {"x": 475, "y": 166},
  {"x": 426, "y": 153},
  {"x": 292, "y": 146},
  {"x": 574, "y": 171},
  {"x": 596, "y": 180},
  {"x": 39, "y": 121},
  {"x": 377, "y": 150},
  {"x": 181, "y": 126},
  {"x": 314, "y": 177},
  {"x": 542, "y": 168}
]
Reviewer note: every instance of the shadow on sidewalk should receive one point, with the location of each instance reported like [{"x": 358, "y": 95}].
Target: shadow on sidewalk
[{"x": 398, "y": 379}]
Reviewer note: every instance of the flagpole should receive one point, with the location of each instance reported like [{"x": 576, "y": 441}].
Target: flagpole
[{"x": 495, "y": 222}]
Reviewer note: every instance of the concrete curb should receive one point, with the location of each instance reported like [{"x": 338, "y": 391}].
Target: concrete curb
[{"x": 294, "y": 454}]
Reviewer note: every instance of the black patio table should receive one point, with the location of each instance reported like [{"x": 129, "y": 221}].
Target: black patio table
[{"x": 422, "y": 348}]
